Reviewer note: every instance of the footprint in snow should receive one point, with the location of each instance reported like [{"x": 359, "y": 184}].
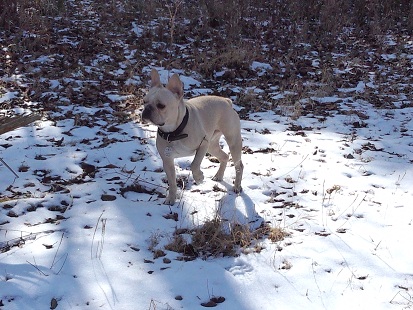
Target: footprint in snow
[{"x": 240, "y": 268}]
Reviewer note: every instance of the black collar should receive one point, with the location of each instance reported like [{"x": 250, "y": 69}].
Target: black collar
[{"x": 176, "y": 134}]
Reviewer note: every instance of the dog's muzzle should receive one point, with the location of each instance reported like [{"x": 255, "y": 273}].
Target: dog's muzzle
[{"x": 146, "y": 114}]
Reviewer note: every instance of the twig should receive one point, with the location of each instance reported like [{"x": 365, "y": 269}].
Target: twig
[
  {"x": 35, "y": 266},
  {"x": 181, "y": 202},
  {"x": 54, "y": 258},
  {"x": 7, "y": 166},
  {"x": 280, "y": 176},
  {"x": 172, "y": 16},
  {"x": 318, "y": 287},
  {"x": 94, "y": 234},
  {"x": 138, "y": 178},
  {"x": 64, "y": 262},
  {"x": 409, "y": 300},
  {"x": 353, "y": 211},
  {"x": 100, "y": 249}
]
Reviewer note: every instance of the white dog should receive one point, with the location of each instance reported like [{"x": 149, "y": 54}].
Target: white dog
[{"x": 194, "y": 126}]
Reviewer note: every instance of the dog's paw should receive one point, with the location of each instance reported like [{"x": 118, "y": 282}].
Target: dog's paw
[
  {"x": 199, "y": 178},
  {"x": 237, "y": 189},
  {"x": 169, "y": 201},
  {"x": 217, "y": 178}
]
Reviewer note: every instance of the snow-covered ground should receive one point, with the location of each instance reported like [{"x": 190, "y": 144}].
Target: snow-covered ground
[
  {"x": 84, "y": 225},
  {"x": 72, "y": 234}
]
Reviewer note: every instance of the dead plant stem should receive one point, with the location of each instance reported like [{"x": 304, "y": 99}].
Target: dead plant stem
[
  {"x": 57, "y": 251},
  {"x": 94, "y": 234}
]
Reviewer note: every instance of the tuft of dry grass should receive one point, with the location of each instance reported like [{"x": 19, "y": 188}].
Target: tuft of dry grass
[
  {"x": 210, "y": 239},
  {"x": 276, "y": 234},
  {"x": 217, "y": 238}
]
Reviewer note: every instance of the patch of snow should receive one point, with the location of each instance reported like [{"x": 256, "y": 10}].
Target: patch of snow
[
  {"x": 8, "y": 96},
  {"x": 261, "y": 67},
  {"x": 137, "y": 29}
]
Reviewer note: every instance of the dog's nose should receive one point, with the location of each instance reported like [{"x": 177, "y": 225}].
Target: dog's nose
[{"x": 146, "y": 114}]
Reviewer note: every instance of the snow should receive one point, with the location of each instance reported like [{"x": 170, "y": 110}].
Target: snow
[
  {"x": 349, "y": 218},
  {"x": 188, "y": 81},
  {"x": 137, "y": 29},
  {"x": 260, "y": 67},
  {"x": 8, "y": 96}
]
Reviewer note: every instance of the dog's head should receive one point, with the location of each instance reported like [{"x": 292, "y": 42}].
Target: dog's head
[{"x": 161, "y": 103}]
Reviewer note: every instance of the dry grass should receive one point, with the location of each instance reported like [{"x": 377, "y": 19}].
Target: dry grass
[
  {"x": 312, "y": 19},
  {"x": 217, "y": 238},
  {"x": 28, "y": 14},
  {"x": 235, "y": 59}
]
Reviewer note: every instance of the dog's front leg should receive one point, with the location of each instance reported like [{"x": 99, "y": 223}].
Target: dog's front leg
[
  {"x": 169, "y": 168},
  {"x": 196, "y": 163}
]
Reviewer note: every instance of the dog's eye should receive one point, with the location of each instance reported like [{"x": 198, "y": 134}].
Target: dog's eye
[{"x": 160, "y": 106}]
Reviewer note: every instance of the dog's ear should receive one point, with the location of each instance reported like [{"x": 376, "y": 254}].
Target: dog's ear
[
  {"x": 155, "y": 78},
  {"x": 175, "y": 85}
]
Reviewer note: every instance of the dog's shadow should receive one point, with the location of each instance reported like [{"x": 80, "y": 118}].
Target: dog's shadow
[
  {"x": 232, "y": 208},
  {"x": 238, "y": 209}
]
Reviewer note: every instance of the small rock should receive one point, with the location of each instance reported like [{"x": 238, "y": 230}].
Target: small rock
[
  {"x": 53, "y": 303},
  {"x": 106, "y": 197}
]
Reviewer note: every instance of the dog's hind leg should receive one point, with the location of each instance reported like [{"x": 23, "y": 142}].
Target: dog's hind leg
[
  {"x": 235, "y": 147},
  {"x": 215, "y": 150}
]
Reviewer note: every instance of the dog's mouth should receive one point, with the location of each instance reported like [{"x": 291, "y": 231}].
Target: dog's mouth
[{"x": 149, "y": 121}]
